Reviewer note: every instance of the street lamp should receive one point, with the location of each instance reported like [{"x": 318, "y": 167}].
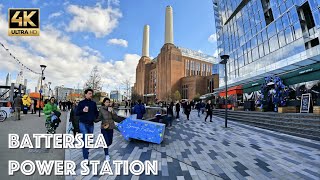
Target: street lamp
[
  {"x": 43, "y": 67},
  {"x": 224, "y": 61}
]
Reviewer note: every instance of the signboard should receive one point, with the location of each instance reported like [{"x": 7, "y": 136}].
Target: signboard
[
  {"x": 305, "y": 103},
  {"x": 142, "y": 130}
]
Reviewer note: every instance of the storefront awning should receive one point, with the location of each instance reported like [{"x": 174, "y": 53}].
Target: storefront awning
[{"x": 232, "y": 90}]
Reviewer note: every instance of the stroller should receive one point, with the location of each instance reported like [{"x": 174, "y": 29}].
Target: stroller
[{"x": 53, "y": 122}]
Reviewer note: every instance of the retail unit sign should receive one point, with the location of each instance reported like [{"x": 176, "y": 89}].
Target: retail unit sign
[{"x": 305, "y": 103}]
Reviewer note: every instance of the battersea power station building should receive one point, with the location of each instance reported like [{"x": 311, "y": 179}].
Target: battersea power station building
[{"x": 174, "y": 69}]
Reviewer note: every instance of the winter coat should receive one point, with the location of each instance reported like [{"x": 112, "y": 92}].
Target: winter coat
[
  {"x": 140, "y": 110},
  {"x": 48, "y": 109},
  {"x": 107, "y": 117},
  {"x": 91, "y": 115}
]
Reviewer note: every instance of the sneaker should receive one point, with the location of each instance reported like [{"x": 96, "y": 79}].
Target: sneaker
[
  {"x": 178, "y": 120},
  {"x": 107, "y": 158},
  {"x": 210, "y": 120}
]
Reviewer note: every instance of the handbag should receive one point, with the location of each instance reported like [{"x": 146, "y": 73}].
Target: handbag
[{"x": 105, "y": 125}]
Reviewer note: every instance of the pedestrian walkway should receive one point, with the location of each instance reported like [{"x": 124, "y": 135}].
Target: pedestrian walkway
[{"x": 205, "y": 150}]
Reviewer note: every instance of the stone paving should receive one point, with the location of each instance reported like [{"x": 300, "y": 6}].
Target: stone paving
[{"x": 196, "y": 149}]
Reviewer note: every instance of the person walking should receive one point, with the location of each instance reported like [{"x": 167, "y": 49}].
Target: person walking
[
  {"x": 198, "y": 107},
  {"x": 32, "y": 107},
  {"x": 74, "y": 119},
  {"x": 107, "y": 116},
  {"x": 17, "y": 104},
  {"x": 187, "y": 109},
  {"x": 209, "y": 111},
  {"x": 88, "y": 112},
  {"x": 178, "y": 110},
  {"x": 60, "y": 105},
  {"x": 170, "y": 114},
  {"x": 139, "y": 109}
]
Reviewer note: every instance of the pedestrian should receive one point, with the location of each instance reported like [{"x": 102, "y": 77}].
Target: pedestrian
[
  {"x": 209, "y": 111},
  {"x": 35, "y": 106},
  {"x": 107, "y": 116},
  {"x": 32, "y": 107},
  {"x": 170, "y": 114},
  {"x": 198, "y": 107},
  {"x": 74, "y": 119},
  {"x": 178, "y": 111},
  {"x": 69, "y": 105},
  {"x": 49, "y": 109},
  {"x": 64, "y": 105},
  {"x": 88, "y": 112},
  {"x": 60, "y": 105},
  {"x": 203, "y": 106},
  {"x": 17, "y": 104},
  {"x": 139, "y": 109},
  {"x": 187, "y": 109}
]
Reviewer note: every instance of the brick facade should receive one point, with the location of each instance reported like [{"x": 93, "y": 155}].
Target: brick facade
[{"x": 161, "y": 77}]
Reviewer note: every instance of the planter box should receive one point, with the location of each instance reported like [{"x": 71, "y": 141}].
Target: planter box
[
  {"x": 239, "y": 108},
  {"x": 316, "y": 109},
  {"x": 288, "y": 109}
]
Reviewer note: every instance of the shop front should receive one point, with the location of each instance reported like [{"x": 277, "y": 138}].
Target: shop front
[
  {"x": 234, "y": 97},
  {"x": 295, "y": 83}
]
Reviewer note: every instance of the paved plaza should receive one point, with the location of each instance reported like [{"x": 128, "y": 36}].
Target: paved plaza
[{"x": 205, "y": 150}]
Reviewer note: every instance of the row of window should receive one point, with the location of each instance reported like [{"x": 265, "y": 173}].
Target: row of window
[{"x": 197, "y": 68}]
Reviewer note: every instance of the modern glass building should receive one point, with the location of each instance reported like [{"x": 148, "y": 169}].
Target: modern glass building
[{"x": 268, "y": 37}]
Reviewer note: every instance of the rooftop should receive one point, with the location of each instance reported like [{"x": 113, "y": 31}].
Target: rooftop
[{"x": 197, "y": 55}]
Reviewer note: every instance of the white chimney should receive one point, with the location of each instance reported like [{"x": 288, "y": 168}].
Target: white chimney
[
  {"x": 145, "y": 43},
  {"x": 169, "y": 26}
]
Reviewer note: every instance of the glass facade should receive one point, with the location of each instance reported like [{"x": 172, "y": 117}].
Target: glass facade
[{"x": 259, "y": 33}]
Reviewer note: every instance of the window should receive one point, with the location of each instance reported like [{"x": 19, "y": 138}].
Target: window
[
  {"x": 255, "y": 54},
  {"x": 266, "y": 47},
  {"x": 261, "y": 51},
  {"x": 282, "y": 39},
  {"x": 285, "y": 20},
  {"x": 293, "y": 14},
  {"x": 274, "y": 43},
  {"x": 288, "y": 35},
  {"x": 297, "y": 30},
  {"x": 279, "y": 25},
  {"x": 271, "y": 29}
]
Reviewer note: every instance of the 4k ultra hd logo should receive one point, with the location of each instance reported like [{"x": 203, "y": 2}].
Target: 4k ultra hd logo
[{"x": 24, "y": 22}]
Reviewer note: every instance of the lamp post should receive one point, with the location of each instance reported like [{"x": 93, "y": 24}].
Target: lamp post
[
  {"x": 43, "y": 67},
  {"x": 224, "y": 61}
]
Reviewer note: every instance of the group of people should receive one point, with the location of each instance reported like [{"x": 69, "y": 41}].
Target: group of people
[
  {"x": 18, "y": 106},
  {"x": 84, "y": 114},
  {"x": 65, "y": 105}
]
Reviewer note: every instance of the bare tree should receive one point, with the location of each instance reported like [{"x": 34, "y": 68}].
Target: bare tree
[
  {"x": 94, "y": 82},
  {"x": 126, "y": 83}
]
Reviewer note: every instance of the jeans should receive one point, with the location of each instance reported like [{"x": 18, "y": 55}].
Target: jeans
[
  {"x": 108, "y": 136},
  {"x": 178, "y": 114},
  {"x": 17, "y": 112},
  {"x": 198, "y": 112},
  {"x": 85, "y": 129},
  {"x": 209, "y": 114}
]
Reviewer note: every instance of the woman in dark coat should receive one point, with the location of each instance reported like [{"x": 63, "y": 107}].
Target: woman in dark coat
[
  {"x": 107, "y": 116},
  {"x": 187, "y": 109},
  {"x": 74, "y": 119}
]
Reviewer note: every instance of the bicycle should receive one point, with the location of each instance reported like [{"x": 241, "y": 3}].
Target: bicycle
[{"x": 3, "y": 115}]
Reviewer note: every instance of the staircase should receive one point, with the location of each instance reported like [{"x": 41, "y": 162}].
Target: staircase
[{"x": 302, "y": 125}]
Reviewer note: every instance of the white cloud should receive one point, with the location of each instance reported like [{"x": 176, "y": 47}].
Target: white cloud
[
  {"x": 96, "y": 19},
  {"x": 213, "y": 38},
  {"x": 56, "y": 14},
  {"x": 67, "y": 63},
  {"x": 199, "y": 51},
  {"x": 120, "y": 42}
]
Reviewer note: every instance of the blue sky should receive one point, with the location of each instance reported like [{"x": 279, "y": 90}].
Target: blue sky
[{"x": 193, "y": 25}]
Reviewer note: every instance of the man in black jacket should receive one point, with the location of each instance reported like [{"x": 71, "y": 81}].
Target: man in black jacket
[
  {"x": 87, "y": 111},
  {"x": 209, "y": 111}
]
